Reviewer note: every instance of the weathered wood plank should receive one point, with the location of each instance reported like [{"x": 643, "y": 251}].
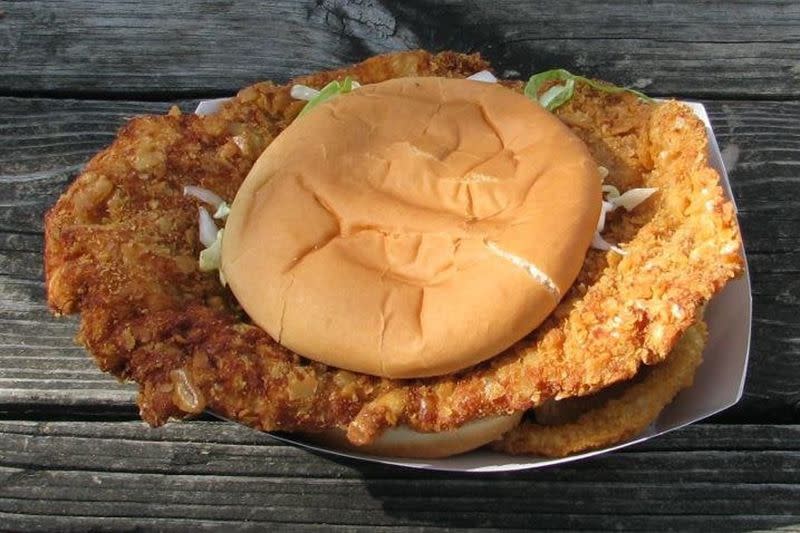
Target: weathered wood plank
[
  {"x": 47, "y": 141},
  {"x": 590, "y": 522},
  {"x": 221, "y": 446},
  {"x": 21, "y": 522},
  {"x": 170, "y": 47},
  {"x": 199, "y": 473}
]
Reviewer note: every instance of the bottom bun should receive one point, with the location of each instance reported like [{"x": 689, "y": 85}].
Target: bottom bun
[{"x": 404, "y": 442}]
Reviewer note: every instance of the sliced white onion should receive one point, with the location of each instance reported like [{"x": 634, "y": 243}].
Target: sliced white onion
[
  {"x": 204, "y": 195},
  {"x": 303, "y": 92},
  {"x": 208, "y": 229},
  {"x": 484, "y": 76},
  {"x": 632, "y": 198},
  {"x": 605, "y": 208}
]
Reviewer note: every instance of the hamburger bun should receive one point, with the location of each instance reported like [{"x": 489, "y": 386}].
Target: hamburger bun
[
  {"x": 413, "y": 227},
  {"x": 404, "y": 442}
]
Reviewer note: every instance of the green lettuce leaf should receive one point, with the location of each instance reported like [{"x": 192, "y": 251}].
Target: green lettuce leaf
[
  {"x": 560, "y": 93},
  {"x": 334, "y": 88}
]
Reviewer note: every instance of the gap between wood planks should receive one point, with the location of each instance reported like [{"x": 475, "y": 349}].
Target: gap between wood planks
[{"x": 154, "y": 96}]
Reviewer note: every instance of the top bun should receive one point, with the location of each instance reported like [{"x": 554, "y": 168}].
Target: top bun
[{"x": 413, "y": 227}]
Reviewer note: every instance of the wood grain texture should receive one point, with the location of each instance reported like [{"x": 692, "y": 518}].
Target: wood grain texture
[
  {"x": 73, "y": 455},
  {"x": 210, "y": 474},
  {"x": 155, "y": 47},
  {"x": 47, "y": 141}
]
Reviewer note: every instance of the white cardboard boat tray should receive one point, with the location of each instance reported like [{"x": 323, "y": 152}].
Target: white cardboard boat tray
[{"x": 718, "y": 384}]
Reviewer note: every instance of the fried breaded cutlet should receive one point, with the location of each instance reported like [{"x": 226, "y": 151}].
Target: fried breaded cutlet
[
  {"x": 586, "y": 423},
  {"x": 122, "y": 248}
]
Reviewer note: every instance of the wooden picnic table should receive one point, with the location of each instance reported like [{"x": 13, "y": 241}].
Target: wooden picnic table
[{"x": 73, "y": 453}]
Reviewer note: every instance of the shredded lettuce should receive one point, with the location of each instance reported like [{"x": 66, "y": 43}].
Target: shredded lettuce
[
  {"x": 611, "y": 191},
  {"x": 204, "y": 195},
  {"x": 613, "y": 200},
  {"x": 207, "y": 229},
  {"x": 211, "y": 257},
  {"x": 303, "y": 92},
  {"x": 559, "y": 94},
  {"x": 599, "y": 243},
  {"x": 334, "y": 88},
  {"x": 222, "y": 211}
]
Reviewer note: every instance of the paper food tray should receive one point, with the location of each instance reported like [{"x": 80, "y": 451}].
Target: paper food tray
[{"x": 718, "y": 384}]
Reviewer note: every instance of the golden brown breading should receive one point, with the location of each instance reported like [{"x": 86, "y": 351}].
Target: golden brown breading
[
  {"x": 618, "y": 418},
  {"x": 121, "y": 248}
]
